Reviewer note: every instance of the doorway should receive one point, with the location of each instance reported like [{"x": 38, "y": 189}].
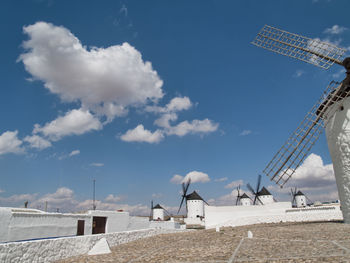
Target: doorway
[
  {"x": 99, "y": 225},
  {"x": 80, "y": 227}
]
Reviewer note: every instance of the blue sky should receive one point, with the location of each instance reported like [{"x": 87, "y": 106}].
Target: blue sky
[{"x": 133, "y": 93}]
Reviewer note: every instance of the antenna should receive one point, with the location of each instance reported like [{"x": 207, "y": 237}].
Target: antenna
[
  {"x": 313, "y": 51},
  {"x": 93, "y": 196}
]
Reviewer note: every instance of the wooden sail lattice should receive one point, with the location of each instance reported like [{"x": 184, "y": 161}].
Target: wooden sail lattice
[
  {"x": 313, "y": 51},
  {"x": 295, "y": 150}
]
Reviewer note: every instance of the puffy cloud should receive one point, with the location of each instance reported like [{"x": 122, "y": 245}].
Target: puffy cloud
[
  {"x": 9, "y": 143},
  {"x": 75, "y": 152},
  {"x": 175, "y": 105},
  {"x": 223, "y": 179},
  {"x": 234, "y": 184},
  {"x": 314, "y": 178},
  {"x": 196, "y": 126},
  {"x": 195, "y": 176},
  {"x": 335, "y": 30},
  {"x": 37, "y": 142},
  {"x": 157, "y": 195},
  {"x": 97, "y": 164},
  {"x": 105, "y": 80},
  {"x": 74, "y": 122},
  {"x": 140, "y": 134},
  {"x": 112, "y": 199},
  {"x": 17, "y": 199}
]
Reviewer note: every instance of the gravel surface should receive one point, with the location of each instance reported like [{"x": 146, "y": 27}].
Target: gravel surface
[{"x": 284, "y": 242}]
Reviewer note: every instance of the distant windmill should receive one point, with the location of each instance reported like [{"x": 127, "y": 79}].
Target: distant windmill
[
  {"x": 330, "y": 111},
  {"x": 184, "y": 193},
  {"x": 255, "y": 193},
  {"x": 298, "y": 198},
  {"x": 238, "y": 198}
]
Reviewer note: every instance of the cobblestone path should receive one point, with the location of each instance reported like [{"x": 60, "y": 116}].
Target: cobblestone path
[{"x": 285, "y": 242}]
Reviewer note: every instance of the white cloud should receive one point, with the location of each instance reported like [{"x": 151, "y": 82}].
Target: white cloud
[
  {"x": 74, "y": 122},
  {"x": 140, "y": 134},
  {"x": 196, "y": 126},
  {"x": 157, "y": 195},
  {"x": 17, "y": 199},
  {"x": 196, "y": 177},
  {"x": 223, "y": 179},
  {"x": 335, "y": 30},
  {"x": 104, "y": 80},
  {"x": 176, "y": 179},
  {"x": 112, "y": 199},
  {"x": 9, "y": 143},
  {"x": 175, "y": 105},
  {"x": 75, "y": 152},
  {"x": 313, "y": 178},
  {"x": 37, "y": 142},
  {"x": 234, "y": 184},
  {"x": 97, "y": 164},
  {"x": 245, "y": 132},
  {"x": 299, "y": 73}
]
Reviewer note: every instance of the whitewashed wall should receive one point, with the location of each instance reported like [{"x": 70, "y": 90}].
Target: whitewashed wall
[
  {"x": 272, "y": 213},
  {"x": 49, "y": 250},
  {"x": 23, "y": 224},
  {"x": 338, "y": 138}
]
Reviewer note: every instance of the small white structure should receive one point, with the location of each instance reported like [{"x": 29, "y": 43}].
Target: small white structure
[
  {"x": 245, "y": 200},
  {"x": 158, "y": 213},
  {"x": 195, "y": 209},
  {"x": 265, "y": 197},
  {"x": 300, "y": 199}
]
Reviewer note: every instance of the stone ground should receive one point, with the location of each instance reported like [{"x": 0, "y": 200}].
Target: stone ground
[{"x": 284, "y": 242}]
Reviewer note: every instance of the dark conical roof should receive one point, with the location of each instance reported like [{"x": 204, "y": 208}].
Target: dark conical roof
[
  {"x": 157, "y": 207},
  {"x": 244, "y": 196},
  {"x": 299, "y": 193},
  {"x": 264, "y": 191},
  {"x": 194, "y": 196}
]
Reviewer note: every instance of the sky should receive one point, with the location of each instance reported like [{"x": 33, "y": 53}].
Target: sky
[{"x": 142, "y": 95}]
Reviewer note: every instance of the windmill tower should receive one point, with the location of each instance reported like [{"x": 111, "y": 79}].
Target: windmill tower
[
  {"x": 242, "y": 199},
  {"x": 194, "y": 205},
  {"x": 330, "y": 112},
  {"x": 245, "y": 200},
  {"x": 261, "y": 196},
  {"x": 158, "y": 213},
  {"x": 299, "y": 199}
]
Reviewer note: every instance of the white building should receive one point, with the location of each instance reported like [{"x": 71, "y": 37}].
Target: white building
[
  {"x": 300, "y": 199},
  {"x": 265, "y": 197},
  {"x": 245, "y": 200},
  {"x": 195, "y": 209},
  {"x": 158, "y": 213}
]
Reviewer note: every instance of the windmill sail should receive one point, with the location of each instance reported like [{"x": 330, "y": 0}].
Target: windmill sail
[
  {"x": 313, "y": 51},
  {"x": 296, "y": 148}
]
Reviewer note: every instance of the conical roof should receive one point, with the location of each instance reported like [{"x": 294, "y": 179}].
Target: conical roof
[
  {"x": 264, "y": 191},
  {"x": 244, "y": 196},
  {"x": 299, "y": 193},
  {"x": 194, "y": 196},
  {"x": 157, "y": 207}
]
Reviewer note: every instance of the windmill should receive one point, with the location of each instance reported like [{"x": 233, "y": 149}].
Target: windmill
[
  {"x": 184, "y": 193},
  {"x": 329, "y": 112},
  {"x": 238, "y": 198},
  {"x": 255, "y": 193},
  {"x": 299, "y": 199}
]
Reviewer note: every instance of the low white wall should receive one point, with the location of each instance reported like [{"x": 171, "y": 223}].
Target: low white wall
[
  {"x": 49, "y": 250},
  {"x": 273, "y": 213},
  {"x": 165, "y": 225},
  {"x": 116, "y": 221},
  {"x": 136, "y": 222},
  {"x": 22, "y": 224}
]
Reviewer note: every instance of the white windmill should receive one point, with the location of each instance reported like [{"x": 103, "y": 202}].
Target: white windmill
[
  {"x": 299, "y": 199},
  {"x": 331, "y": 112},
  {"x": 194, "y": 205},
  {"x": 242, "y": 199},
  {"x": 261, "y": 196}
]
